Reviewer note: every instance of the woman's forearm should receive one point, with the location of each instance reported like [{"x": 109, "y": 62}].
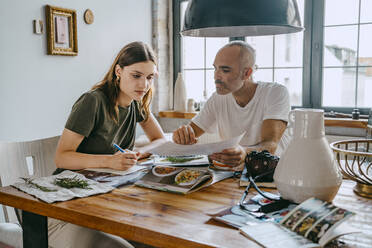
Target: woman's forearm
[{"x": 74, "y": 160}]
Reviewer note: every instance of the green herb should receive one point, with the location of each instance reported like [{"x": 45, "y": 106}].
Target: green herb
[
  {"x": 180, "y": 160},
  {"x": 30, "y": 182},
  {"x": 72, "y": 183}
]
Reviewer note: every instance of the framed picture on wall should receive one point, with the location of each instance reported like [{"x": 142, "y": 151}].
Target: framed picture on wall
[{"x": 61, "y": 31}]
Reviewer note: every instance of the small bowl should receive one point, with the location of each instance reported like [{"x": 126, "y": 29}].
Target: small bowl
[
  {"x": 187, "y": 177},
  {"x": 163, "y": 171},
  {"x": 221, "y": 166}
]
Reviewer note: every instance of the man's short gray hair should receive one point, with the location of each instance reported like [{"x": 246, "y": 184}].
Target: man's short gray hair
[{"x": 247, "y": 54}]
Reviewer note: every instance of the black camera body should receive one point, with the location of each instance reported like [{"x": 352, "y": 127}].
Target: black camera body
[{"x": 261, "y": 165}]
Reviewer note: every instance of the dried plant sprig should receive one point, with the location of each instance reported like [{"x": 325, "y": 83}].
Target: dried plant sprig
[
  {"x": 72, "y": 183},
  {"x": 30, "y": 182},
  {"x": 180, "y": 160}
]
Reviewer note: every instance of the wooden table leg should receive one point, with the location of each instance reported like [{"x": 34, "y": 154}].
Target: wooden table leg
[{"x": 35, "y": 230}]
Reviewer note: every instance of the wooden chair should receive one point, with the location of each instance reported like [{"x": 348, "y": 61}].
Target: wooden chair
[{"x": 23, "y": 159}]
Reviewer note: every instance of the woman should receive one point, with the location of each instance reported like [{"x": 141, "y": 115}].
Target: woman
[
  {"x": 108, "y": 114},
  {"x": 101, "y": 117}
]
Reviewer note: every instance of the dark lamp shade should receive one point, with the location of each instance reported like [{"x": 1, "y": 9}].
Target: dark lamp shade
[{"x": 235, "y": 18}]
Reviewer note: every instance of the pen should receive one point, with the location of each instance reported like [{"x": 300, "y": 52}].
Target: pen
[{"x": 119, "y": 148}]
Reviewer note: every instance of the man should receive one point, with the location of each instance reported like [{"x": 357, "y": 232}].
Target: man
[{"x": 240, "y": 105}]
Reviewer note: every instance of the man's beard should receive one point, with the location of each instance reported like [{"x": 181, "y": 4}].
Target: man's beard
[
  {"x": 220, "y": 83},
  {"x": 220, "y": 86}
]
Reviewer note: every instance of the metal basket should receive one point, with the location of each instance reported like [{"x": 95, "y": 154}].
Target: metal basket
[{"x": 354, "y": 158}]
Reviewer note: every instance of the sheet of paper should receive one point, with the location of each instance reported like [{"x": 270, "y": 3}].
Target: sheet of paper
[
  {"x": 59, "y": 193},
  {"x": 118, "y": 172},
  {"x": 170, "y": 148},
  {"x": 271, "y": 235}
]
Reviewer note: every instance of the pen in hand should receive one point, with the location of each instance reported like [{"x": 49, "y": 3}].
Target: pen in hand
[
  {"x": 123, "y": 150},
  {"x": 119, "y": 148}
]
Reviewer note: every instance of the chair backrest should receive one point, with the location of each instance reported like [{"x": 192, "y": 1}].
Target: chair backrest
[{"x": 25, "y": 159}]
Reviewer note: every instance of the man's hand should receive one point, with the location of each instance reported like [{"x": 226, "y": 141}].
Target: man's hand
[
  {"x": 231, "y": 156},
  {"x": 184, "y": 135},
  {"x": 123, "y": 161}
]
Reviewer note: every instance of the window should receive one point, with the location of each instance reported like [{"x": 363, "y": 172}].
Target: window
[
  {"x": 347, "y": 54},
  {"x": 197, "y": 62},
  {"x": 279, "y": 59},
  {"x": 328, "y": 66}
]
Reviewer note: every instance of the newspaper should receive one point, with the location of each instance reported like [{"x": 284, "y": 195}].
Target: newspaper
[{"x": 58, "y": 193}]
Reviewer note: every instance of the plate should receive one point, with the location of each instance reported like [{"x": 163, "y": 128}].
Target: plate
[
  {"x": 221, "y": 166},
  {"x": 163, "y": 171},
  {"x": 187, "y": 177}
]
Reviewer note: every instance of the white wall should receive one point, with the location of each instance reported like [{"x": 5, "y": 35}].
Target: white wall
[{"x": 37, "y": 90}]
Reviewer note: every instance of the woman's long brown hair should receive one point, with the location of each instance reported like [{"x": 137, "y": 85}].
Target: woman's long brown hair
[{"x": 132, "y": 53}]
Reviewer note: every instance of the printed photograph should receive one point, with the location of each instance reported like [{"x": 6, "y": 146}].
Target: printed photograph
[{"x": 301, "y": 211}]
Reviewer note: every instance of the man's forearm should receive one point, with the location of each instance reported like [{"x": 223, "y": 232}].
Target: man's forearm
[
  {"x": 264, "y": 145},
  {"x": 197, "y": 130}
]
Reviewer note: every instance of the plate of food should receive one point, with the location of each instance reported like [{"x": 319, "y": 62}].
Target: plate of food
[
  {"x": 221, "y": 166},
  {"x": 163, "y": 171},
  {"x": 187, "y": 177}
]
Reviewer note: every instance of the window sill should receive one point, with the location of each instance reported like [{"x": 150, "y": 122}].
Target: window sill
[
  {"x": 345, "y": 122},
  {"x": 330, "y": 122},
  {"x": 176, "y": 114}
]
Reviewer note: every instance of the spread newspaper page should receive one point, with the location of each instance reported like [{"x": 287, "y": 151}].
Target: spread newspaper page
[
  {"x": 313, "y": 223},
  {"x": 182, "y": 180}
]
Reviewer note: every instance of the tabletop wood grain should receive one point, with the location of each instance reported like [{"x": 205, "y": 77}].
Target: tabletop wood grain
[
  {"x": 148, "y": 216},
  {"x": 163, "y": 219}
]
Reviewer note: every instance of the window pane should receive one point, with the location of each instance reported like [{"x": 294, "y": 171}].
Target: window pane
[
  {"x": 301, "y": 9},
  {"x": 182, "y": 12},
  {"x": 339, "y": 87},
  {"x": 194, "y": 81},
  {"x": 365, "y": 45},
  {"x": 264, "y": 75},
  {"x": 365, "y": 11},
  {"x": 292, "y": 79},
  {"x": 213, "y": 45},
  {"x": 341, "y": 12},
  {"x": 288, "y": 50},
  {"x": 364, "y": 98},
  {"x": 340, "y": 46},
  {"x": 192, "y": 52},
  {"x": 210, "y": 83},
  {"x": 264, "y": 50}
]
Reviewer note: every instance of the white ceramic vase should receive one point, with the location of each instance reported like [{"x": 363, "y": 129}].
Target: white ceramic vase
[
  {"x": 180, "y": 94},
  {"x": 190, "y": 105},
  {"x": 307, "y": 167}
]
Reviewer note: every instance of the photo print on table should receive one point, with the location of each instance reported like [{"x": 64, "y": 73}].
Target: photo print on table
[
  {"x": 301, "y": 211},
  {"x": 327, "y": 222},
  {"x": 308, "y": 222}
]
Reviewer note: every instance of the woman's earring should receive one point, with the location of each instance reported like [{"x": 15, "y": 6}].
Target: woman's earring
[{"x": 118, "y": 79}]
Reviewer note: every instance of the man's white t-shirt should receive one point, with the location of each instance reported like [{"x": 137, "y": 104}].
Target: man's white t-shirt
[{"x": 221, "y": 113}]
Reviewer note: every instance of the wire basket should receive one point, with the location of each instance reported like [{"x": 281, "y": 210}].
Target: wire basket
[{"x": 354, "y": 158}]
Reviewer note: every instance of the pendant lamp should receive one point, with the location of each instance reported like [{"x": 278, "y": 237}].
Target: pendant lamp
[{"x": 237, "y": 18}]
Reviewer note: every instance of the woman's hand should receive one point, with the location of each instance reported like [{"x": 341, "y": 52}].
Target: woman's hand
[
  {"x": 143, "y": 155},
  {"x": 123, "y": 161},
  {"x": 231, "y": 156}
]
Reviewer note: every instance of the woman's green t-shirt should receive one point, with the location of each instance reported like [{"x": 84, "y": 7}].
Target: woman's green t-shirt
[{"x": 90, "y": 118}]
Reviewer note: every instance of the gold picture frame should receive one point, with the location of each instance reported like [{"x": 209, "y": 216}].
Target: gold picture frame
[{"x": 61, "y": 31}]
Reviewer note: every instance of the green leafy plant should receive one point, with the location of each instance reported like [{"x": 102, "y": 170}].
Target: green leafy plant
[
  {"x": 72, "y": 183},
  {"x": 180, "y": 160},
  {"x": 30, "y": 182}
]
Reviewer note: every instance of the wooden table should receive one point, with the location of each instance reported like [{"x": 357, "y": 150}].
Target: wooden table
[{"x": 164, "y": 219}]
